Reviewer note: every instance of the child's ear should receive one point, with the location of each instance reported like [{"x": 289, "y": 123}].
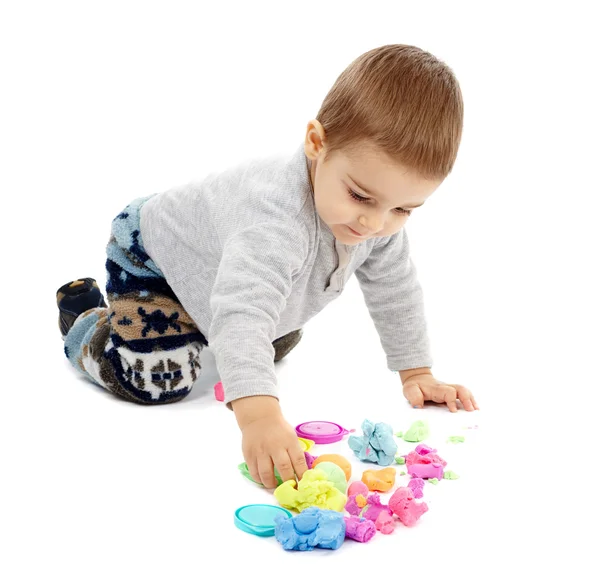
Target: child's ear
[{"x": 314, "y": 141}]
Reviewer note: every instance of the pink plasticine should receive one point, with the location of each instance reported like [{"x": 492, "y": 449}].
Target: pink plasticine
[
  {"x": 219, "y": 392},
  {"x": 359, "y": 529},
  {"x": 423, "y": 462},
  {"x": 403, "y": 505},
  {"x": 385, "y": 523},
  {"x": 358, "y": 487},
  {"x": 426, "y": 471}
]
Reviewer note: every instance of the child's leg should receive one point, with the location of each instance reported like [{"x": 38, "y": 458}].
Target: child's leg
[{"x": 144, "y": 347}]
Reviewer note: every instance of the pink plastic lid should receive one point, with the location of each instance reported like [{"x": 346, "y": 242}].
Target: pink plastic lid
[{"x": 322, "y": 432}]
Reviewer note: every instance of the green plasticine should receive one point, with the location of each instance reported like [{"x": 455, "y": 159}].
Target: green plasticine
[
  {"x": 433, "y": 480},
  {"x": 417, "y": 432},
  {"x": 400, "y": 460},
  {"x": 450, "y": 475},
  {"x": 456, "y": 439},
  {"x": 399, "y": 434},
  {"x": 402, "y": 473}
]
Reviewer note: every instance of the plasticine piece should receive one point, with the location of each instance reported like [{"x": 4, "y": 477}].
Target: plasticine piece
[
  {"x": 402, "y": 473},
  {"x": 219, "y": 392},
  {"x": 312, "y": 528},
  {"x": 426, "y": 471},
  {"x": 374, "y": 508},
  {"x": 243, "y": 468},
  {"x": 334, "y": 474},
  {"x": 423, "y": 449},
  {"x": 379, "y": 480},
  {"x": 359, "y": 529},
  {"x": 400, "y": 460},
  {"x": 416, "y": 485},
  {"x": 338, "y": 459},
  {"x": 313, "y": 490},
  {"x": 376, "y": 445},
  {"x": 433, "y": 481},
  {"x": 305, "y": 443},
  {"x": 428, "y": 465},
  {"x": 385, "y": 523},
  {"x": 456, "y": 439},
  {"x": 371, "y": 510},
  {"x": 399, "y": 434},
  {"x": 417, "y": 432},
  {"x": 450, "y": 475},
  {"x": 403, "y": 505},
  {"x": 310, "y": 459},
  {"x": 358, "y": 487}
]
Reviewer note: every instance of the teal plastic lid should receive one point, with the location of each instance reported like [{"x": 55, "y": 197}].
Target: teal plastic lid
[{"x": 259, "y": 519}]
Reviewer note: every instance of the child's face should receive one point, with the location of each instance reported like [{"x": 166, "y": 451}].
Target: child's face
[{"x": 364, "y": 194}]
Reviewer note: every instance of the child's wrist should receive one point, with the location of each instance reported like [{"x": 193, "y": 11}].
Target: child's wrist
[{"x": 250, "y": 409}]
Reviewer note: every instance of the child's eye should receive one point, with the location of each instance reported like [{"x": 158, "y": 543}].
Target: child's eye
[
  {"x": 357, "y": 197},
  {"x": 362, "y": 199}
]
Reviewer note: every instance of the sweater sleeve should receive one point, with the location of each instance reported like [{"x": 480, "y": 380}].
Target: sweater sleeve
[
  {"x": 394, "y": 298},
  {"x": 253, "y": 282}
]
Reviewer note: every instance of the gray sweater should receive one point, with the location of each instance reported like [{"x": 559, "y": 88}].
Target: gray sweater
[{"x": 250, "y": 260}]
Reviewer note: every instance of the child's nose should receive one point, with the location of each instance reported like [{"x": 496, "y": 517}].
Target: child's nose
[{"x": 374, "y": 223}]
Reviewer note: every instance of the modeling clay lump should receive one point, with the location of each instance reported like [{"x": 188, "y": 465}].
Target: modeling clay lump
[
  {"x": 338, "y": 459},
  {"x": 376, "y": 445},
  {"x": 334, "y": 474},
  {"x": 423, "y": 462},
  {"x": 312, "y": 528},
  {"x": 313, "y": 489},
  {"x": 403, "y": 505},
  {"x": 417, "y": 432},
  {"x": 379, "y": 480}
]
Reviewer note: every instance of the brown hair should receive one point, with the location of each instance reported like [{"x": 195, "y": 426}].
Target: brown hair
[{"x": 404, "y": 101}]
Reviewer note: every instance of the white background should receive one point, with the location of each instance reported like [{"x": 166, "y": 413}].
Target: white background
[{"x": 104, "y": 102}]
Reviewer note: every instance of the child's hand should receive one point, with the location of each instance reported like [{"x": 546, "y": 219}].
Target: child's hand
[
  {"x": 423, "y": 387},
  {"x": 267, "y": 439}
]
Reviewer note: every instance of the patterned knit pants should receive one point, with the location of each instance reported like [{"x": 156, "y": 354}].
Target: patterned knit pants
[{"x": 144, "y": 347}]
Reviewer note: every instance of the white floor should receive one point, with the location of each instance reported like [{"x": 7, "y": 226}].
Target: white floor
[{"x": 107, "y": 107}]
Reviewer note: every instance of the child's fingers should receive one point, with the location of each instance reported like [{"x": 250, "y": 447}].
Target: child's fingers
[
  {"x": 253, "y": 470},
  {"x": 464, "y": 396},
  {"x": 413, "y": 395},
  {"x": 265, "y": 470},
  {"x": 298, "y": 461},
  {"x": 284, "y": 465},
  {"x": 445, "y": 394}
]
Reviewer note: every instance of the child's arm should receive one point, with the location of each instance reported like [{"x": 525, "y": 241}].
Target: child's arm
[
  {"x": 395, "y": 300},
  {"x": 253, "y": 283}
]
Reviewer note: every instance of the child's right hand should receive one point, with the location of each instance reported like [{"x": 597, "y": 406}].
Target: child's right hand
[{"x": 267, "y": 439}]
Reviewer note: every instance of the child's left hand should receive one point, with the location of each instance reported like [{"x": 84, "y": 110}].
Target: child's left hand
[{"x": 423, "y": 387}]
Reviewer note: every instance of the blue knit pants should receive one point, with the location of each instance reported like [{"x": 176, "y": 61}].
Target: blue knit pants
[{"x": 144, "y": 347}]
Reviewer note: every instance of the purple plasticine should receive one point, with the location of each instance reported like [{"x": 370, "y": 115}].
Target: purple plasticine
[
  {"x": 416, "y": 485},
  {"x": 374, "y": 508},
  {"x": 359, "y": 529},
  {"x": 310, "y": 459}
]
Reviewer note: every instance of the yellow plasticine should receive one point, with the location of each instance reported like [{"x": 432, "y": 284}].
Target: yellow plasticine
[
  {"x": 306, "y": 443},
  {"x": 313, "y": 490}
]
